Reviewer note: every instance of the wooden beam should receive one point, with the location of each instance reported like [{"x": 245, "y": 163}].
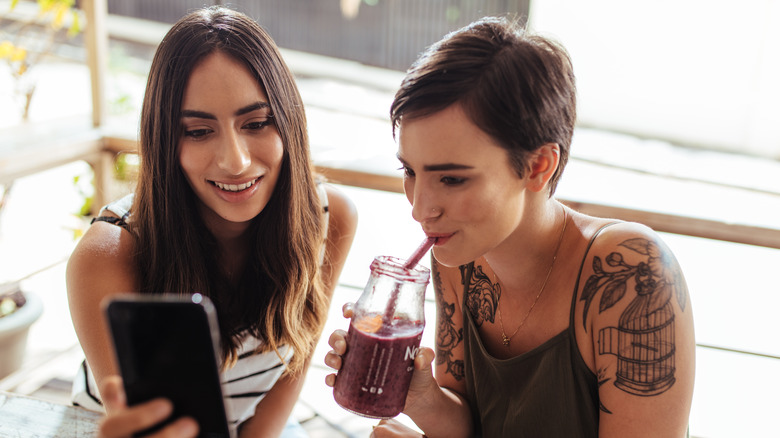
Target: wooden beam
[
  {"x": 661, "y": 222},
  {"x": 688, "y": 226},
  {"x": 96, "y": 39},
  {"x": 362, "y": 179},
  {"x": 27, "y": 159}
]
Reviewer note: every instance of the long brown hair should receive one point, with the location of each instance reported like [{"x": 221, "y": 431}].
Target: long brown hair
[
  {"x": 280, "y": 298},
  {"x": 517, "y": 87}
]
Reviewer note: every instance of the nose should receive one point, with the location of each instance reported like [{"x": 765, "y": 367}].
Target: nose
[
  {"x": 424, "y": 204},
  {"x": 233, "y": 156}
]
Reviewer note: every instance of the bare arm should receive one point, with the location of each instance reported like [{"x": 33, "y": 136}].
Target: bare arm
[
  {"x": 437, "y": 406},
  {"x": 341, "y": 233},
  {"x": 100, "y": 266},
  {"x": 272, "y": 412},
  {"x": 636, "y": 313},
  {"x": 274, "y": 409}
]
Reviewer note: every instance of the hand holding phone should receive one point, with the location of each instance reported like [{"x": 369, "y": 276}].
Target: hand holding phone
[
  {"x": 166, "y": 346},
  {"x": 124, "y": 421}
]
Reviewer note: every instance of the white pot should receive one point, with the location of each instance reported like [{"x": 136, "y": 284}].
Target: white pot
[{"x": 13, "y": 333}]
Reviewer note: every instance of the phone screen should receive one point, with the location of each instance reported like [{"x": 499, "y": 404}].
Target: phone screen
[{"x": 166, "y": 347}]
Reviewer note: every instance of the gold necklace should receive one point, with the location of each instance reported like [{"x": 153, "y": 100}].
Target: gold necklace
[{"x": 504, "y": 338}]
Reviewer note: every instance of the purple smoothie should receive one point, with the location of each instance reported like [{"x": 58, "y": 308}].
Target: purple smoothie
[{"x": 377, "y": 369}]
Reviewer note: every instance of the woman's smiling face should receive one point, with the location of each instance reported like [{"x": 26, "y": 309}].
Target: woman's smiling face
[
  {"x": 460, "y": 183},
  {"x": 230, "y": 149}
]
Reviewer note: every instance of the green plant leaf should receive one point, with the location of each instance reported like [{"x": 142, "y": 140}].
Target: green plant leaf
[
  {"x": 86, "y": 207},
  {"x": 45, "y": 6},
  {"x": 75, "y": 25}
]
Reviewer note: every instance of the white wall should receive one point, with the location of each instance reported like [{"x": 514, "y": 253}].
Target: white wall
[{"x": 697, "y": 72}]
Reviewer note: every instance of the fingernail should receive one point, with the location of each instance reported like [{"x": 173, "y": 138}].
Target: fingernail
[
  {"x": 162, "y": 407},
  {"x": 188, "y": 427}
]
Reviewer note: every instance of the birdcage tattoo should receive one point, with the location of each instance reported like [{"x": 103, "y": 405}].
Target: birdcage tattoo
[{"x": 644, "y": 345}]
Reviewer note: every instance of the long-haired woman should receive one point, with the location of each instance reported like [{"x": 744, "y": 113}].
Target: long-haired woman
[{"x": 227, "y": 206}]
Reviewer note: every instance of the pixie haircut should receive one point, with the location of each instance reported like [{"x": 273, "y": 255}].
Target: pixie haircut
[{"x": 517, "y": 87}]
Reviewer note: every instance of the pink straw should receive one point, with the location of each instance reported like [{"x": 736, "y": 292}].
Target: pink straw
[
  {"x": 410, "y": 264},
  {"x": 419, "y": 252}
]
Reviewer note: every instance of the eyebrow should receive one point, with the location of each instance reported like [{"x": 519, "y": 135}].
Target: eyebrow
[
  {"x": 239, "y": 112},
  {"x": 440, "y": 167},
  {"x": 445, "y": 166}
]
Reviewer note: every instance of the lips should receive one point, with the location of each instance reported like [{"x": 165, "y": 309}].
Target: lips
[
  {"x": 441, "y": 238},
  {"x": 235, "y": 187}
]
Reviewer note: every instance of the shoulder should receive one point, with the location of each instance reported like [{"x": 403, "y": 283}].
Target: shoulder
[
  {"x": 103, "y": 255},
  {"x": 448, "y": 281},
  {"x": 342, "y": 212},
  {"x": 104, "y": 240},
  {"x": 341, "y": 227},
  {"x": 339, "y": 204},
  {"x": 628, "y": 242},
  {"x": 629, "y": 260},
  {"x": 628, "y": 247},
  {"x": 101, "y": 265},
  {"x": 622, "y": 230},
  {"x": 636, "y": 323}
]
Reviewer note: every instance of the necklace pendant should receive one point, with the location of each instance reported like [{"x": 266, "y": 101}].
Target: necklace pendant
[{"x": 505, "y": 340}]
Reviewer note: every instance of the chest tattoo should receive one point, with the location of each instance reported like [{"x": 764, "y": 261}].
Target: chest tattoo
[{"x": 482, "y": 297}]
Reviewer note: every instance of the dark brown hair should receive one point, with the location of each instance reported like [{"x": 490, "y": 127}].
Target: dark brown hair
[
  {"x": 517, "y": 87},
  {"x": 280, "y": 298}
]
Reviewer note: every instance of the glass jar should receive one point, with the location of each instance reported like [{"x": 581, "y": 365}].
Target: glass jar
[{"x": 383, "y": 340}]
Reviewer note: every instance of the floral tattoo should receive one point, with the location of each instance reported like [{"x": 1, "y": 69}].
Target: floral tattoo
[
  {"x": 482, "y": 297},
  {"x": 447, "y": 337},
  {"x": 644, "y": 340}
]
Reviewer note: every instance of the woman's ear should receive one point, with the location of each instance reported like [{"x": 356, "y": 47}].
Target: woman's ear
[{"x": 543, "y": 164}]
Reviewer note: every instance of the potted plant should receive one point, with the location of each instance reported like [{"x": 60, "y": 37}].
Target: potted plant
[{"x": 18, "y": 311}]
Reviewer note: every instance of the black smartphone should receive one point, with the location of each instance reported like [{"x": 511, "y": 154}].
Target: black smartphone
[{"x": 166, "y": 346}]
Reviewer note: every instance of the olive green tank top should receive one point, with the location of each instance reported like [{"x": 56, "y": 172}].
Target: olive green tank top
[{"x": 546, "y": 392}]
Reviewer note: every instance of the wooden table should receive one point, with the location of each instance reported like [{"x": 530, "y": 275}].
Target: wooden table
[{"x": 24, "y": 417}]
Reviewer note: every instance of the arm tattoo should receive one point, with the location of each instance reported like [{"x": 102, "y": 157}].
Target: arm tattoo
[
  {"x": 482, "y": 297},
  {"x": 447, "y": 337},
  {"x": 644, "y": 340},
  {"x": 602, "y": 379}
]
